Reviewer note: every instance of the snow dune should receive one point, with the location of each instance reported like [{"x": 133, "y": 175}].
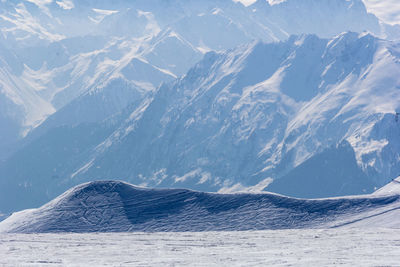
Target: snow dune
[{"x": 113, "y": 206}]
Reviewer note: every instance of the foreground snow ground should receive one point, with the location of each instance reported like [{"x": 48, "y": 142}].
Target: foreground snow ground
[{"x": 360, "y": 247}]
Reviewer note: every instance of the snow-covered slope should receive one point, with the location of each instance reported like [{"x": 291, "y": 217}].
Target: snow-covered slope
[{"x": 109, "y": 206}]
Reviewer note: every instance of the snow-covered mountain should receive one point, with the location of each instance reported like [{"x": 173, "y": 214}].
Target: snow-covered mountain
[
  {"x": 65, "y": 48},
  {"x": 283, "y": 117},
  {"x": 261, "y": 110},
  {"x": 110, "y": 206},
  {"x": 80, "y": 96}
]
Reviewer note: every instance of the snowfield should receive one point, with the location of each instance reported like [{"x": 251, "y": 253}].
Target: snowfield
[{"x": 347, "y": 247}]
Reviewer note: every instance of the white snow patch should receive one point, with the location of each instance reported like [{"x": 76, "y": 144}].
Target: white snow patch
[
  {"x": 100, "y": 14},
  {"x": 104, "y": 11},
  {"x": 83, "y": 169},
  {"x": 245, "y": 2},
  {"x": 250, "y": 2},
  {"x": 203, "y": 49},
  {"x": 42, "y": 4},
  {"x": 204, "y": 176},
  {"x": 30, "y": 25},
  {"x": 362, "y": 147},
  {"x": 216, "y": 11},
  {"x": 152, "y": 26},
  {"x": 239, "y": 188},
  {"x": 65, "y": 4}
]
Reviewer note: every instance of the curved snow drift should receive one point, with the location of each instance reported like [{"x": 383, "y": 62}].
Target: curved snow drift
[{"x": 113, "y": 206}]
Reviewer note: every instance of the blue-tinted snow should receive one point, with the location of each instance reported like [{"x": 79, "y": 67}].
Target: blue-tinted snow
[{"x": 112, "y": 206}]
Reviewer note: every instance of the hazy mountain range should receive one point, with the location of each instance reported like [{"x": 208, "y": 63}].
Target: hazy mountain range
[{"x": 297, "y": 97}]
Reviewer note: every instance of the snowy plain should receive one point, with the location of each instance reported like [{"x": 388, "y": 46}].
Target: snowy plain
[{"x": 345, "y": 247}]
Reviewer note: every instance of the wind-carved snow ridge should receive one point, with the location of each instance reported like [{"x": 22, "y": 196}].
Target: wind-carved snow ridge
[{"x": 111, "y": 206}]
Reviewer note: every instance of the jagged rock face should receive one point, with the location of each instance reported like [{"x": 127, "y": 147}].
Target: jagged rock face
[{"x": 109, "y": 206}]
